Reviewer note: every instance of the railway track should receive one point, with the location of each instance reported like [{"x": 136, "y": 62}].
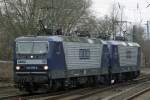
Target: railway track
[
  {"x": 75, "y": 94},
  {"x": 136, "y": 95},
  {"x": 8, "y": 92},
  {"x": 6, "y": 84},
  {"x": 42, "y": 95},
  {"x": 86, "y": 94},
  {"x": 131, "y": 93}
]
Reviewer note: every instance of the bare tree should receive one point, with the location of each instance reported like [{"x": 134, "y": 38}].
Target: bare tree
[
  {"x": 105, "y": 27},
  {"x": 146, "y": 52},
  {"x": 138, "y": 32},
  {"x": 22, "y": 17}
]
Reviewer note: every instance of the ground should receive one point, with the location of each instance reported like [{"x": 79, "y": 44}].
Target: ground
[{"x": 4, "y": 89}]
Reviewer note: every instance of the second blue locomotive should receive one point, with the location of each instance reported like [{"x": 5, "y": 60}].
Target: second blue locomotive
[{"x": 60, "y": 61}]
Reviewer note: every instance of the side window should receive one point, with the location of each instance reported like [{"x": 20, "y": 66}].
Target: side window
[
  {"x": 84, "y": 53},
  {"x": 128, "y": 54}
]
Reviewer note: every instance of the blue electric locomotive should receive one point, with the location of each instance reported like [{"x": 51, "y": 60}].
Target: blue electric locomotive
[{"x": 58, "y": 61}]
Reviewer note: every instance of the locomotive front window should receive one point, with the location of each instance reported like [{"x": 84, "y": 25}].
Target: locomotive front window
[{"x": 32, "y": 47}]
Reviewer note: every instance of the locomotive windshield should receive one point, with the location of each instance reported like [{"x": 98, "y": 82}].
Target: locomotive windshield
[{"x": 31, "y": 47}]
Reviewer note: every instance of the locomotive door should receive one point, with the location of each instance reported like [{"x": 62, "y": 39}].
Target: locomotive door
[{"x": 114, "y": 63}]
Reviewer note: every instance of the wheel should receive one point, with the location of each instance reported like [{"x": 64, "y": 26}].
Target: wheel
[{"x": 56, "y": 85}]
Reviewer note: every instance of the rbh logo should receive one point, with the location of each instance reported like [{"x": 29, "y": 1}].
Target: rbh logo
[
  {"x": 21, "y": 61},
  {"x": 84, "y": 53},
  {"x": 128, "y": 54}
]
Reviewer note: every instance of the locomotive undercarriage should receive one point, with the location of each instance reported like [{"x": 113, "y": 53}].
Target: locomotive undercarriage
[{"x": 30, "y": 83}]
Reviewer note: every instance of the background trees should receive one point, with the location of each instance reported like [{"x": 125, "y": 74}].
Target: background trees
[
  {"x": 46, "y": 17},
  {"x": 22, "y": 17},
  {"x": 28, "y": 17}
]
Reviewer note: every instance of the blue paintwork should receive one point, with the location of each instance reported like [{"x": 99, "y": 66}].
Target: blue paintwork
[
  {"x": 14, "y": 54},
  {"x": 14, "y": 60},
  {"x": 105, "y": 61},
  {"x": 57, "y": 59},
  {"x": 114, "y": 58}
]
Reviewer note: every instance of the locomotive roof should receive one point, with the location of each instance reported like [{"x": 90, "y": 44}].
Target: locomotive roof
[
  {"x": 60, "y": 38},
  {"x": 75, "y": 39},
  {"x": 124, "y": 43}
]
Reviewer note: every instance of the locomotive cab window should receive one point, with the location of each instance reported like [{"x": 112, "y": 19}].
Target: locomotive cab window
[{"x": 32, "y": 47}]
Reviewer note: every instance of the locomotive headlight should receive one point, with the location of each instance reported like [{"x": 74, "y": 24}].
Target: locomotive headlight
[
  {"x": 17, "y": 67},
  {"x": 45, "y": 67}
]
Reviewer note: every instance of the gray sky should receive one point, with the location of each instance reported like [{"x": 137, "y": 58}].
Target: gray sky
[{"x": 134, "y": 10}]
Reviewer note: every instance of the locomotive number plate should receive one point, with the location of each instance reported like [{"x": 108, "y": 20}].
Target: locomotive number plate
[{"x": 31, "y": 68}]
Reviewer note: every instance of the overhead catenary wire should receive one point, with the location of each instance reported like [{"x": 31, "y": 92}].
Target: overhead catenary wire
[{"x": 139, "y": 11}]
